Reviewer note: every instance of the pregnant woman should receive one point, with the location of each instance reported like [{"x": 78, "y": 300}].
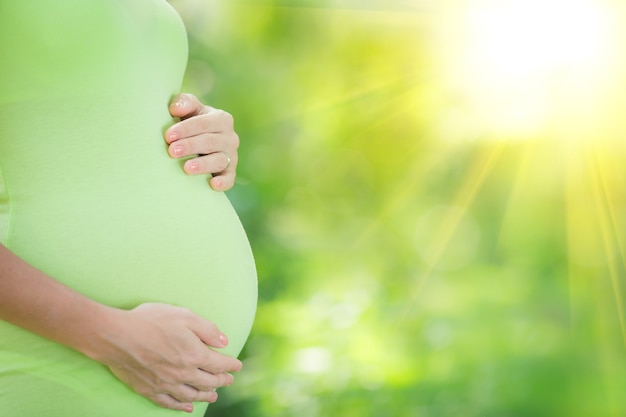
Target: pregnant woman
[{"x": 120, "y": 276}]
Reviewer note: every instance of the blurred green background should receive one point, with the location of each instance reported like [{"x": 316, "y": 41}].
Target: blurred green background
[{"x": 435, "y": 196}]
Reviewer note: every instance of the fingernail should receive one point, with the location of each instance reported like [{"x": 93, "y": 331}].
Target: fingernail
[
  {"x": 223, "y": 339},
  {"x": 217, "y": 183},
  {"x": 188, "y": 408},
  {"x": 179, "y": 103},
  {"x": 173, "y": 135},
  {"x": 192, "y": 166},
  {"x": 178, "y": 150}
]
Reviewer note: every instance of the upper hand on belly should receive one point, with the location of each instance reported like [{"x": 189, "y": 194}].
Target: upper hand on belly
[{"x": 206, "y": 133}]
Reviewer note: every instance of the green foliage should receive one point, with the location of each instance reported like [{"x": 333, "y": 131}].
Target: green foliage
[{"x": 403, "y": 273}]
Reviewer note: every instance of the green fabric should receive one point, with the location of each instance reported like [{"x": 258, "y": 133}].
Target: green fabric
[{"x": 90, "y": 196}]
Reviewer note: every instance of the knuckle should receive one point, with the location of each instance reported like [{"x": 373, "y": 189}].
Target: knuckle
[
  {"x": 204, "y": 123},
  {"x": 199, "y": 386},
  {"x": 229, "y": 118},
  {"x": 226, "y": 117},
  {"x": 236, "y": 140},
  {"x": 196, "y": 396},
  {"x": 182, "y": 374},
  {"x": 196, "y": 360},
  {"x": 226, "y": 162},
  {"x": 209, "y": 142},
  {"x": 205, "y": 387}
]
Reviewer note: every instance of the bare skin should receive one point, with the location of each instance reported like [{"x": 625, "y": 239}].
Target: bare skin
[
  {"x": 178, "y": 366},
  {"x": 174, "y": 369},
  {"x": 206, "y": 132}
]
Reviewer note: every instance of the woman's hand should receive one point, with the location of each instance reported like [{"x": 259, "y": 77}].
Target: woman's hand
[
  {"x": 206, "y": 133},
  {"x": 162, "y": 352}
]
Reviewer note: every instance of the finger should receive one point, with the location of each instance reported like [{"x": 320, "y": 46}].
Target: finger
[
  {"x": 205, "y": 396},
  {"x": 210, "y": 381},
  {"x": 218, "y": 363},
  {"x": 189, "y": 394},
  {"x": 202, "y": 144},
  {"x": 213, "y": 121},
  {"x": 223, "y": 181},
  {"x": 167, "y": 401},
  {"x": 213, "y": 163},
  {"x": 207, "y": 332},
  {"x": 186, "y": 105}
]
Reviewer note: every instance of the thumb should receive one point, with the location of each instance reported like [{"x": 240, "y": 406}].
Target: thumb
[{"x": 186, "y": 105}]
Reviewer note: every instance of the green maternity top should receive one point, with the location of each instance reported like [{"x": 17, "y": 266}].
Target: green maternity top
[{"x": 89, "y": 195}]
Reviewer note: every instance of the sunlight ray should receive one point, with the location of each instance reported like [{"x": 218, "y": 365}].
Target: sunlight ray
[
  {"x": 521, "y": 172},
  {"x": 406, "y": 189},
  {"x": 582, "y": 237},
  {"x": 480, "y": 170},
  {"x": 342, "y": 98},
  {"x": 607, "y": 229},
  {"x": 609, "y": 193}
]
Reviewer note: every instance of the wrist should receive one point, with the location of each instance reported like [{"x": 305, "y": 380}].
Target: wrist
[{"x": 100, "y": 327}]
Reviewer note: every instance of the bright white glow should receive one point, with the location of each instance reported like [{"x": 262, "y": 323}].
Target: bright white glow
[
  {"x": 519, "y": 38},
  {"x": 520, "y": 64},
  {"x": 313, "y": 360}
]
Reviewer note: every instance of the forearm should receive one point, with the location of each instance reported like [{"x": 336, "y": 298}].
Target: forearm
[
  {"x": 38, "y": 303},
  {"x": 160, "y": 351}
]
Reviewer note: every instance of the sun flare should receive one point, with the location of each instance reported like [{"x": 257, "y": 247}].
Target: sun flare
[
  {"x": 522, "y": 66},
  {"x": 521, "y": 39}
]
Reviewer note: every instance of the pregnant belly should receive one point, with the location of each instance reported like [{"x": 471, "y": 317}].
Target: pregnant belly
[{"x": 152, "y": 237}]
